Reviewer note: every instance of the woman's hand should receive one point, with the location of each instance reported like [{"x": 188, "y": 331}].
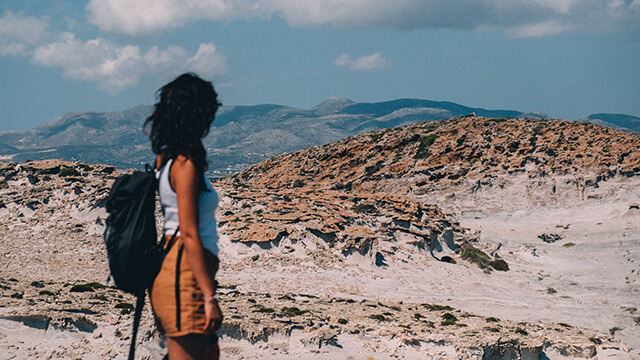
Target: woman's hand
[{"x": 213, "y": 316}]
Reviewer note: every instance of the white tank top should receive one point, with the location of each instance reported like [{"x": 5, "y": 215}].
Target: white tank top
[{"x": 207, "y": 204}]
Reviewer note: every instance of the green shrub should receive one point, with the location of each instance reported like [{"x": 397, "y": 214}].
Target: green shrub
[
  {"x": 370, "y": 170},
  {"x": 46, "y": 293},
  {"x": 345, "y": 187},
  {"x": 126, "y": 308},
  {"x": 264, "y": 310},
  {"x": 378, "y": 317},
  {"x": 499, "y": 265},
  {"x": 124, "y": 305},
  {"x": 89, "y": 287},
  {"x": 521, "y": 331},
  {"x": 348, "y": 185},
  {"x": 448, "y": 259},
  {"x": 498, "y": 120},
  {"x": 343, "y": 321},
  {"x": 68, "y": 172},
  {"x": 376, "y": 137},
  {"x": 96, "y": 285},
  {"x": 492, "y": 319},
  {"x": 81, "y": 288},
  {"x": 293, "y": 311},
  {"x": 474, "y": 255},
  {"x": 483, "y": 260},
  {"x": 37, "y": 284},
  {"x": 448, "y": 319},
  {"x": 423, "y": 146},
  {"x": 364, "y": 208},
  {"x": 437, "y": 307}
]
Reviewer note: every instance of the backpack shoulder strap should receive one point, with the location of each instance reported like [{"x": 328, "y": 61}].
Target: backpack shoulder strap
[{"x": 136, "y": 324}]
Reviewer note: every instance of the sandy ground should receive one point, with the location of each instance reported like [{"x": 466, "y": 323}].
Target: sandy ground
[
  {"x": 594, "y": 283},
  {"x": 588, "y": 278}
]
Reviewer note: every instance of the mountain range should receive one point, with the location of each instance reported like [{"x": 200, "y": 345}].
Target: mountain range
[{"x": 241, "y": 135}]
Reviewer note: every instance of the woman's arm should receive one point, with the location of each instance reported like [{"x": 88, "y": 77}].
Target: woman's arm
[{"x": 185, "y": 182}]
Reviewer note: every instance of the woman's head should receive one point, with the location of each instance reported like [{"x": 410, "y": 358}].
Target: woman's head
[{"x": 184, "y": 112}]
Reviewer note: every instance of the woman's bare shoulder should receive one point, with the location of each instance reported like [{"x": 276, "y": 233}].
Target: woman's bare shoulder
[
  {"x": 183, "y": 161},
  {"x": 183, "y": 168}
]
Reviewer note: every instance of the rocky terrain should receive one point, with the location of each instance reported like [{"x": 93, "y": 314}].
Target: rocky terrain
[{"x": 463, "y": 238}]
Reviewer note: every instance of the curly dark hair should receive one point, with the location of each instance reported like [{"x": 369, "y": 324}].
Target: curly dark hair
[{"x": 184, "y": 112}]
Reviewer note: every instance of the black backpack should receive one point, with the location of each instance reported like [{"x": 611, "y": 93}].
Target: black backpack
[
  {"x": 130, "y": 235},
  {"x": 135, "y": 256}
]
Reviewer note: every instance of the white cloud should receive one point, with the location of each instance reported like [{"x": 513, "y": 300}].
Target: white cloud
[
  {"x": 536, "y": 30},
  {"x": 520, "y": 17},
  {"x": 142, "y": 17},
  {"x": 136, "y": 17},
  {"x": 114, "y": 68},
  {"x": 369, "y": 62},
  {"x": 18, "y": 33},
  {"x": 207, "y": 61}
]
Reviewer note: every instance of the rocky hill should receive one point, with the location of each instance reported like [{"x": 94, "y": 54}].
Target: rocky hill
[
  {"x": 469, "y": 237},
  {"x": 466, "y": 154}
]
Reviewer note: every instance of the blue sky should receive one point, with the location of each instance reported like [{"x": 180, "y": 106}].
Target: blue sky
[{"x": 565, "y": 58}]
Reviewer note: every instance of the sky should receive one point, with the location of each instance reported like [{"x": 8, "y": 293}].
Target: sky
[{"x": 565, "y": 58}]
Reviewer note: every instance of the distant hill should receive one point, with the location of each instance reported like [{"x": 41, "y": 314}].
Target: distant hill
[
  {"x": 617, "y": 121},
  {"x": 240, "y": 136}
]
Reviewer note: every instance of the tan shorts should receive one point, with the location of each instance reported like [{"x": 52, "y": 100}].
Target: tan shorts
[{"x": 177, "y": 301}]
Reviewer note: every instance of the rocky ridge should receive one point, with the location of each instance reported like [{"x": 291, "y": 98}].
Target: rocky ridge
[{"x": 434, "y": 156}]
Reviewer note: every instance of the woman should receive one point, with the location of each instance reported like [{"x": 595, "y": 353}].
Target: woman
[{"x": 183, "y": 294}]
